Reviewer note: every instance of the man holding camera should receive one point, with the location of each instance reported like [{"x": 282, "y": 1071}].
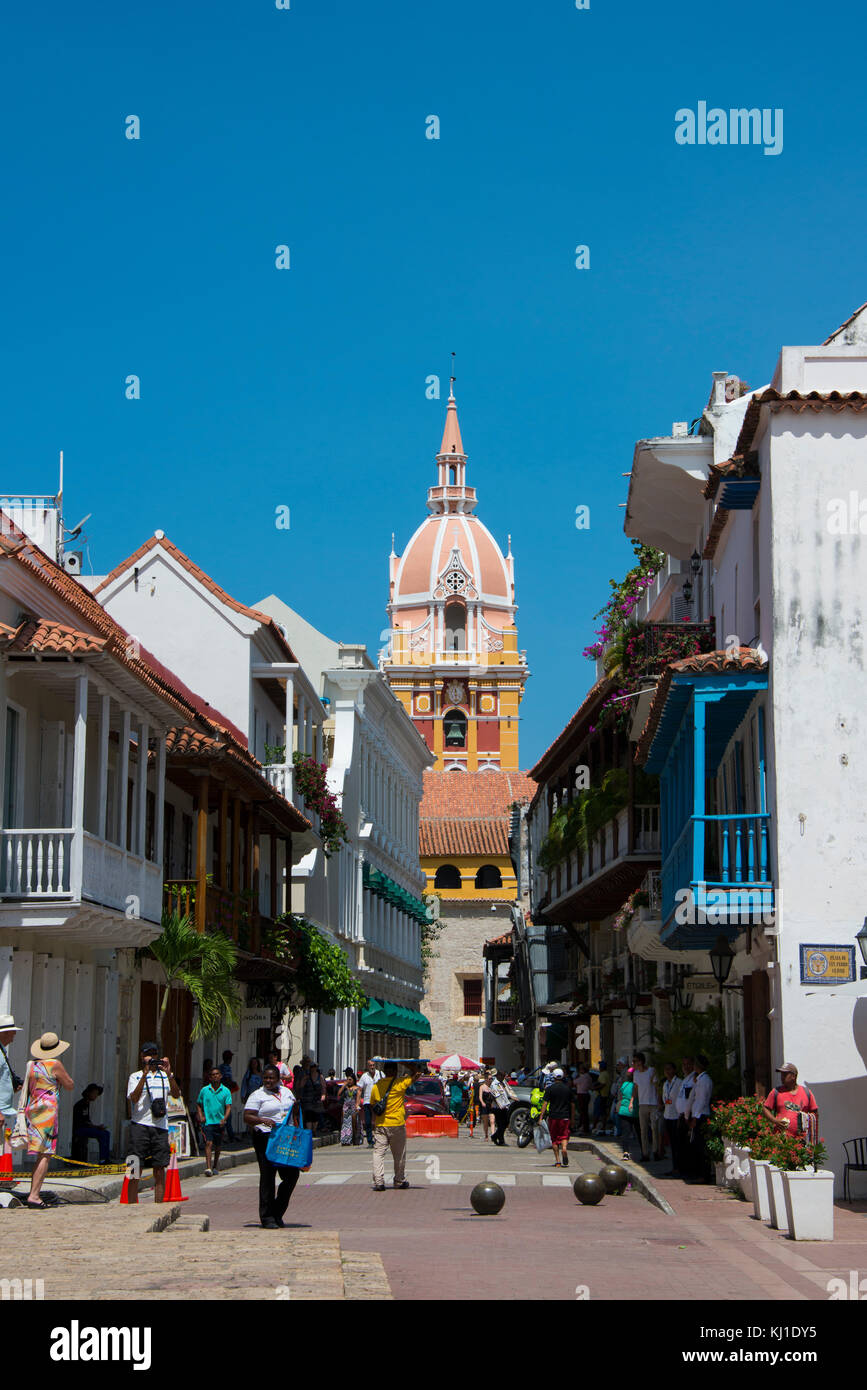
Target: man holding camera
[
  {"x": 147, "y": 1092},
  {"x": 10, "y": 1082}
]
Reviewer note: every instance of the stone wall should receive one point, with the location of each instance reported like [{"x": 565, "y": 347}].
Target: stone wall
[{"x": 459, "y": 947}]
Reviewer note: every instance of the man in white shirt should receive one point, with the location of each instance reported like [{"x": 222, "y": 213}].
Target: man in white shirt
[
  {"x": 698, "y": 1114},
  {"x": 366, "y": 1082},
  {"x": 648, "y": 1106},
  {"x": 670, "y": 1092},
  {"x": 684, "y": 1147},
  {"x": 147, "y": 1092}
]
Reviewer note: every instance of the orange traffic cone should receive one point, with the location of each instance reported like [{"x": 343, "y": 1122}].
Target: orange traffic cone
[
  {"x": 124, "y": 1194},
  {"x": 173, "y": 1182},
  {"x": 6, "y": 1155}
]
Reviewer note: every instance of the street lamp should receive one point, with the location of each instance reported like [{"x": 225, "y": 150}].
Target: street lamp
[
  {"x": 695, "y": 563},
  {"x": 631, "y": 993},
  {"x": 721, "y": 958}
]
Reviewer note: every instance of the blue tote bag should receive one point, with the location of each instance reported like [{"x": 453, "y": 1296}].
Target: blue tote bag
[{"x": 290, "y": 1146}]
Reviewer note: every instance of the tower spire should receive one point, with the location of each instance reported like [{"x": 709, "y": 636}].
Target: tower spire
[{"x": 452, "y": 447}]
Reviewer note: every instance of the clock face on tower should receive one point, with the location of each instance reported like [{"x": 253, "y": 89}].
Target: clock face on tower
[{"x": 455, "y": 692}]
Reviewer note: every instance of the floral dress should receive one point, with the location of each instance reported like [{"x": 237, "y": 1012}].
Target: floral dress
[
  {"x": 41, "y": 1109},
  {"x": 346, "y": 1126}
]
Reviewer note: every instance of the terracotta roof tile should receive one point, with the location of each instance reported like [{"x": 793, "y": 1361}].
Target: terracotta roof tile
[
  {"x": 42, "y": 635},
  {"x": 738, "y": 466},
  {"x": 473, "y": 794},
  {"x": 717, "y": 526},
  {"x": 794, "y": 400},
  {"x": 705, "y": 664},
  {"x": 504, "y": 940},
  {"x": 463, "y": 837},
  {"x": 196, "y": 746},
  {"x": 469, "y": 813},
  {"x": 116, "y": 642},
  {"x": 205, "y": 579}
]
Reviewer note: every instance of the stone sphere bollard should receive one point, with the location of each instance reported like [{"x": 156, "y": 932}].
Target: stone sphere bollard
[
  {"x": 589, "y": 1189},
  {"x": 614, "y": 1178},
  {"x": 487, "y": 1198}
]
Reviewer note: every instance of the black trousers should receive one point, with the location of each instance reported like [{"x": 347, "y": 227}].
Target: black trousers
[
  {"x": 701, "y": 1163},
  {"x": 501, "y": 1121},
  {"x": 272, "y": 1207},
  {"x": 685, "y": 1151},
  {"x": 671, "y": 1129}
]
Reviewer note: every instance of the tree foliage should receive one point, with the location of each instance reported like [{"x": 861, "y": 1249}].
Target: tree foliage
[
  {"x": 324, "y": 980},
  {"x": 203, "y": 963}
]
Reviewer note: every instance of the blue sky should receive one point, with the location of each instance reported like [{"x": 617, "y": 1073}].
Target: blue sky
[{"x": 306, "y": 387}]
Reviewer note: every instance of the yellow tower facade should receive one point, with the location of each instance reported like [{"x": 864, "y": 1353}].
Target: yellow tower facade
[{"x": 452, "y": 658}]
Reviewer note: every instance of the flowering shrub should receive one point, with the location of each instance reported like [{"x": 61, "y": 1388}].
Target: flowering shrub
[
  {"x": 640, "y": 898},
  {"x": 626, "y": 594},
  {"x": 741, "y": 1120},
  {"x": 744, "y": 1123},
  {"x": 323, "y": 979},
  {"x": 310, "y": 779}
]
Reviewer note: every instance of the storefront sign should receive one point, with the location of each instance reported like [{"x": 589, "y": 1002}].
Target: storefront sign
[
  {"x": 827, "y": 965},
  {"x": 256, "y": 1018}
]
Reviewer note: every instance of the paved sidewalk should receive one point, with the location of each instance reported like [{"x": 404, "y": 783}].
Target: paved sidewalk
[{"x": 343, "y": 1241}]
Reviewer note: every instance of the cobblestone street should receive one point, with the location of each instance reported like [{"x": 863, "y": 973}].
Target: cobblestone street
[{"x": 345, "y": 1241}]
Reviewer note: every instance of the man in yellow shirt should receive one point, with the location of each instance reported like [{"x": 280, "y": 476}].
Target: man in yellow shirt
[{"x": 390, "y": 1127}]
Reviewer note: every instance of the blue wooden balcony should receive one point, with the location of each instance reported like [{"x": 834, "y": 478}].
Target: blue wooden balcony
[
  {"x": 717, "y": 878},
  {"x": 717, "y": 872}
]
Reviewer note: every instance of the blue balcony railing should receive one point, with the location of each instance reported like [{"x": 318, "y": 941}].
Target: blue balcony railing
[{"x": 724, "y": 861}]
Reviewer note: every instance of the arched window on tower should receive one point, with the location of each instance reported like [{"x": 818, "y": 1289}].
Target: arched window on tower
[
  {"x": 447, "y": 876},
  {"x": 452, "y": 474},
  {"x": 455, "y": 728},
  {"x": 456, "y": 627},
  {"x": 489, "y": 876}
]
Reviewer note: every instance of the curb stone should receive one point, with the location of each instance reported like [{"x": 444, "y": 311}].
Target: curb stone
[{"x": 639, "y": 1179}]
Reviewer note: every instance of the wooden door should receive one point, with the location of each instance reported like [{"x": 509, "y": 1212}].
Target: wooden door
[{"x": 757, "y": 1034}]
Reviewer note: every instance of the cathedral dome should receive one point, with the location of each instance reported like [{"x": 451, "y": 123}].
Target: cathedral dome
[{"x": 453, "y": 555}]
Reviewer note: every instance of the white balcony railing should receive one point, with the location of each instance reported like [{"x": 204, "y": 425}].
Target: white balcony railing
[
  {"x": 281, "y": 777},
  {"x": 35, "y": 863}
]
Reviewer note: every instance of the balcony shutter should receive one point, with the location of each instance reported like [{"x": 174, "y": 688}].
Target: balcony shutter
[{"x": 52, "y": 773}]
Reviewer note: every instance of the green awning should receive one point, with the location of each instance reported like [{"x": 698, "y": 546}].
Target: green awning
[
  {"x": 382, "y": 886},
  {"x": 415, "y": 1023},
  {"x": 381, "y": 1017},
  {"x": 373, "y": 1017}
]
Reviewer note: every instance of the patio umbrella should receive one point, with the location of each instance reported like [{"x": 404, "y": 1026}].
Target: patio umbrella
[{"x": 455, "y": 1062}]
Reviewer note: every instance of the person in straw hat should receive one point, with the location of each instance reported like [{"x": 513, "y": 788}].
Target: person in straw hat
[
  {"x": 45, "y": 1075},
  {"x": 9, "y": 1082}
]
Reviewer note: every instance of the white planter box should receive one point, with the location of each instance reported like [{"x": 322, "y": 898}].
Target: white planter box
[
  {"x": 731, "y": 1163},
  {"x": 809, "y": 1199},
  {"x": 743, "y": 1181},
  {"x": 776, "y": 1197},
  {"x": 761, "y": 1200},
  {"x": 719, "y": 1170}
]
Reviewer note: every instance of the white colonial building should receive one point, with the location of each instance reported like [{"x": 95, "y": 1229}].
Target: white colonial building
[
  {"x": 376, "y": 760},
  {"x": 757, "y": 742}
]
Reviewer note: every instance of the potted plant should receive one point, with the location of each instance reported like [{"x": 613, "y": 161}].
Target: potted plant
[
  {"x": 716, "y": 1154},
  {"x": 783, "y": 1154},
  {"x": 808, "y": 1191},
  {"x": 739, "y": 1123}
]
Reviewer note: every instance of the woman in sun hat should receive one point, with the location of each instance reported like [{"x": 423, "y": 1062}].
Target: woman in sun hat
[{"x": 45, "y": 1075}]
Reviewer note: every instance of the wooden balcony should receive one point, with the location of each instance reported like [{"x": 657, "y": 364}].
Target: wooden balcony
[
  {"x": 596, "y": 881},
  {"x": 233, "y": 914}
]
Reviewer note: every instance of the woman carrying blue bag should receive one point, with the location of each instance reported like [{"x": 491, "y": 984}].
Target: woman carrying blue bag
[{"x": 273, "y": 1117}]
